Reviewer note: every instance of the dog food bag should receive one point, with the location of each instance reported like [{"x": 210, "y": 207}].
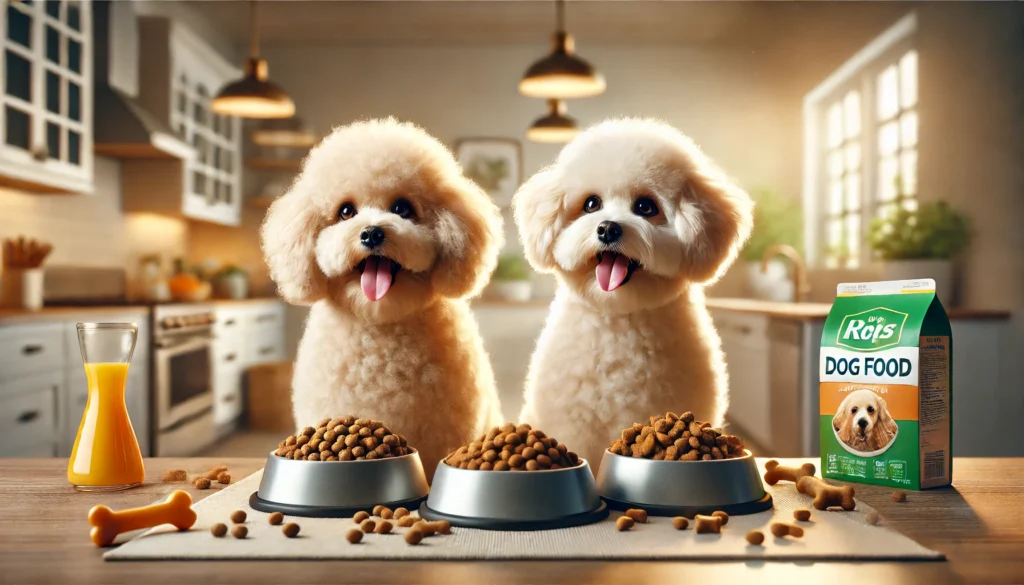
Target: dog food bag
[{"x": 886, "y": 371}]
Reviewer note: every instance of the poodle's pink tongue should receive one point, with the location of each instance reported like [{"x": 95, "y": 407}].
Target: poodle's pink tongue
[
  {"x": 612, "y": 271},
  {"x": 376, "y": 278}
]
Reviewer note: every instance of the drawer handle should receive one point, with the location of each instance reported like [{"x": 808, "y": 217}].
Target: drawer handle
[
  {"x": 266, "y": 350},
  {"x": 229, "y": 398},
  {"x": 229, "y": 322},
  {"x": 31, "y": 349},
  {"x": 263, "y": 318},
  {"x": 230, "y": 357},
  {"x": 27, "y": 417},
  {"x": 744, "y": 329}
]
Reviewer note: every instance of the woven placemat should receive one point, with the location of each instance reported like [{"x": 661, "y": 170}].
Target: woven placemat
[{"x": 832, "y": 535}]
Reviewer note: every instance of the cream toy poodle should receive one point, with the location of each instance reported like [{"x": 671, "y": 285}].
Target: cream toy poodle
[
  {"x": 632, "y": 219},
  {"x": 385, "y": 237}
]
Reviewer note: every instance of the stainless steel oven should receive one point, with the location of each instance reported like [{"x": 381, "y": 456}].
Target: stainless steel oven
[{"x": 182, "y": 379}]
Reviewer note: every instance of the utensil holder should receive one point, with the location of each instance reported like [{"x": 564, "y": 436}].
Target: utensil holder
[{"x": 22, "y": 288}]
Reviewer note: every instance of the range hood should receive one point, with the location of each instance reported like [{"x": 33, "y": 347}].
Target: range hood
[{"x": 123, "y": 128}]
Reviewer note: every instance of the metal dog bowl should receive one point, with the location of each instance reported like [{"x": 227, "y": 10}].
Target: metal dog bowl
[
  {"x": 338, "y": 489},
  {"x": 683, "y": 488},
  {"x": 514, "y": 500}
]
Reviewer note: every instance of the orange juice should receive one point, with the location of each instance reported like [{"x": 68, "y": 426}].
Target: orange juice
[{"x": 106, "y": 454}]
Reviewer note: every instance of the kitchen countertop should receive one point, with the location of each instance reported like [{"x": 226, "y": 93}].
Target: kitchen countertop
[
  {"x": 11, "y": 316},
  {"x": 44, "y": 538}
]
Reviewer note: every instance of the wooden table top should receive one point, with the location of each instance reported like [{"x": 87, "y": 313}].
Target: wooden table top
[{"x": 44, "y": 538}]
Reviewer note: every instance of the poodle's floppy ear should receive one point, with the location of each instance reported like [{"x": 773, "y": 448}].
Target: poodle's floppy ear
[
  {"x": 841, "y": 419},
  {"x": 885, "y": 426},
  {"x": 288, "y": 237},
  {"x": 537, "y": 206},
  {"x": 469, "y": 232},
  {"x": 724, "y": 213}
]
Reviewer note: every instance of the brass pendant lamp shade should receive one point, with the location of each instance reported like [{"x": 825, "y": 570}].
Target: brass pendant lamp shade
[
  {"x": 555, "y": 127},
  {"x": 286, "y": 132},
  {"x": 562, "y": 74},
  {"x": 253, "y": 96}
]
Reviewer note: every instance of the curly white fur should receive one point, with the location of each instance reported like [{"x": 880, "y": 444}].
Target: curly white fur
[
  {"x": 608, "y": 359},
  {"x": 414, "y": 358}
]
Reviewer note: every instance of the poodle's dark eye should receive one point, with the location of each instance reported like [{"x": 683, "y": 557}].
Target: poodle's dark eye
[
  {"x": 871, "y": 409},
  {"x": 853, "y": 410},
  {"x": 347, "y": 211},
  {"x": 645, "y": 207},
  {"x": 592, "y": 204},
  {"x": 402, "y": 208}
]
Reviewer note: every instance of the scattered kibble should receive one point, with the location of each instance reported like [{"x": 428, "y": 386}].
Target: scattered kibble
[
  {"x": 781, "y": 529},
  {"x": 443, "y": 527},
  {"x": 276, "y": 518},
  {"x": 354, "y": 536},
  {"x": 407, "y": 521},
  {"x": 722, "y": 515},
  {"x": 873, "y": 518},
  {"x": 384, "y": 527},
  {"x": 426, "y": 528},
  {"x": 239, "y": 531},
  {"x": 755, "y": 537},
  {"x": 899, "y": 496},
  {"x": 215, "y": 471},
  {"x": 360, "y": 516},
  {"x": 680, "y": 523},
  {"x": 238, "y": 516},
  {"x": 413, "y": 536},
  {"x": 367, "y": 525},
  {"x": 802, "y": 514},
  {"x": 639, "y": 516},
  {"x": 224, "y": 478},
  {"x": 219, "y": 529},
  {"x": 624, "y": 523},
  {"x": 291, "y": 530},
  {"x": 174, "y": 475},
  {"x": 707, "y": 524},
  {"x": 400, "y": 512},
  {"x": 201, "y": 483}
]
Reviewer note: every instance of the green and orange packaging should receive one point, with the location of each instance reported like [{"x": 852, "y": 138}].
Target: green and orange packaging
[{"x": 886, "y": 371}]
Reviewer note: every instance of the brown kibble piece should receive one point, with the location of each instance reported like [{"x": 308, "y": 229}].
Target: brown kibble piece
[
  {"x": 755, "y": 537},
  {"x": 360, "y": 516},
  {"x": 219, "y": 529},
  {"x": 638, "y": 515},
  {"x": 774, "y": 472},
  {"x": 238, "y": 516},
  {"x": 400, "y": 512},
  {"x": 377, "y": 509},
  {"x": 413, "y": 537},
  {"x": 781, "y": 529},
  {"x": 386, "y": 513},
  {"x": 707, "y": 524},
  {"x": 276, "y": 518},
  {"x": 802, "y": 514},
  {"x": 680, "y": 523},
  {"x": 291, "y": 530},
  {"x": 722, "y": 515},
  {"x": 174, "y": 475},
  {"x": 354, "y": 536},
  {"x": 407, "y": 521},
  {"x": 443, "y": 527},
  {"x": 215, "y": 471},
  {"x": 384, "y": 527},
  {"x": 873, "y": 518},
  {"x": 224, "y": 478},
  {"x": 239, "y": 531},
  {"x": 899, "y": 496},
  {"x": 201, "y": 483},
  {"x": 427, "y": 528},
  {"x": 367, "y": 526},
  {"x": 624, "y": 523},
  {"x": 826, "y": 495}
]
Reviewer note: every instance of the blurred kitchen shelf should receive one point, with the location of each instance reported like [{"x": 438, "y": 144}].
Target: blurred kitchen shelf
[
  {"x": 260, "y": 202},
  {"x": 274, "y": 164}
]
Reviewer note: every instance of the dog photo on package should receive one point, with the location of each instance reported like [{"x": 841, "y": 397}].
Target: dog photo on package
[{"x": 886, "y": 372}]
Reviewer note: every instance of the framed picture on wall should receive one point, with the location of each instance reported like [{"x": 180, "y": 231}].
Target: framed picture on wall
[{"x": 496, "y": 164}]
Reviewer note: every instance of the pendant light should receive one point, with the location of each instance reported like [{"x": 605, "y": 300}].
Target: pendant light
[
  {"x": 287, "y": 132},
  {"x": 555, "y": 126},
  {"x": 562, "y": 74},
  {"x": 253, "y": 96}
]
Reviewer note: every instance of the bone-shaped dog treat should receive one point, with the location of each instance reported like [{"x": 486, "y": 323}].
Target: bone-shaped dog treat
[
  {"x": 774, "y": 473},
  {"x": 781, "y": 529},
  {"x": 826, "y": 495},
  {"x": 107, "y": 524},
  {"x": 707, "y": 524}
]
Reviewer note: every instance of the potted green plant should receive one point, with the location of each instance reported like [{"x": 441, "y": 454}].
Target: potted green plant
[
  {"x": 231, "y": 282},
  {"x": 511, "y": 279},
  {"x": 920, "y": 244},
  {"x": 777, "y": 220}
]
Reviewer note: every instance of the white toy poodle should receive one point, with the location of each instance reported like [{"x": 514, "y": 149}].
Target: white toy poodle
[
  {"x": 385, "y": 237},
  {"x": 632, "y": 219}
]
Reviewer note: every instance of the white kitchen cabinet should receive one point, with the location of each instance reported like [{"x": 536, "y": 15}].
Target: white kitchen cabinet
[
  {"x": 180, "y": 76},
  {"x": 30, "y": 349},
  {"x": 746, "y": 348},
  {"x": 28, "y": 416},
  {"x": 46, "y": 92}
]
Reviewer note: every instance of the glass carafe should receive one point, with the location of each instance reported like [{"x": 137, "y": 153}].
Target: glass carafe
[{"x": 106, "y": 456}]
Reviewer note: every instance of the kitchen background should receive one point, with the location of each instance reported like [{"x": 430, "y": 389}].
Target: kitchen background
[{"x": 831, "y": 114}]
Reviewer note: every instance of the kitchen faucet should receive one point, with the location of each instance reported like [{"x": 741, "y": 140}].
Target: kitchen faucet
[{"x": 801, "y": 288}]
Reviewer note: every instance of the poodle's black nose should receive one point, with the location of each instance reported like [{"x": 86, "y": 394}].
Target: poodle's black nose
[
  {"x": 372, "y": 237},
  {"x": 609, "y": 232},
  {"x": 862, "y": 423}
]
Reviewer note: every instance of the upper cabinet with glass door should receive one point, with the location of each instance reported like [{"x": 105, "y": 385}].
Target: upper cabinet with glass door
[
  {"x": 212, "y": 181},
  {"x": 46, "y": 96}
]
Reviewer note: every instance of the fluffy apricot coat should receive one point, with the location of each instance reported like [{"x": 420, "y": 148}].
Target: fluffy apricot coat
[
  {"x": 628, "y": 335},
  {"x": 408, "y": 353}
]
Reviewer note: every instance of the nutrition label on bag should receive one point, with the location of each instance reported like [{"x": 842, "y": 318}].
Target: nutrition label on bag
[{"x": 934, "y": 381}]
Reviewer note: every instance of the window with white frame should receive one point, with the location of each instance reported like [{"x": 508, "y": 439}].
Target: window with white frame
[{"x": 861, "y": 147}]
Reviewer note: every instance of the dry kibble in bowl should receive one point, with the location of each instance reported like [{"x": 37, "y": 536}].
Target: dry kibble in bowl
[
  {"x": 513, "y": 448},
  {"x": 677, "y": 438},
  {"x": 345, "y": 438}
]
